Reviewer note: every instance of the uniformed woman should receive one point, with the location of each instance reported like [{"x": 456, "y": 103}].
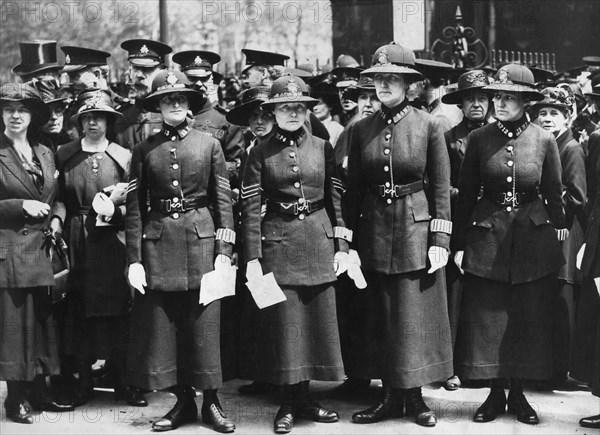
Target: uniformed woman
[
  {"x": 30, "y": 217},
  {"x": 508, "y": 248},
  {"x": 175, "y": 175},
  {"x": 94, "y": 228},
  {"x": 297, "y": 240},
  {"x": 403, "y": 234}
]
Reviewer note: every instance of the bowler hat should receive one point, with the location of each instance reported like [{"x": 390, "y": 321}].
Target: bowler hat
[
  {"x": 171, "y": 81},
  {"x": 518, "y": 78},
  {"x": 29, "y": 96},
  {"x": 393, "y": 59},
  {"x": 289, "y": 89},
  {"x": 36, "y": 56},
  {"x": 467, "y": 82},
  {"x": 94, "y": 100},
  {"x": 250, "y": 100}
]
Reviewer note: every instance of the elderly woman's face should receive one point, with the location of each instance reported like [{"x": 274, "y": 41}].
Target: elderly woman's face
[
  {"x": 57, "y": 117},
  {"x": 368, "y": 103},
  {"x": 174, "y": 108},
  {"x": 390, "y": 88},
  {"x": 261, "y": 122},
  {"x": 290, "y": 116},
  {"x": 552, "y": 119},
  {"x": 508, "y": 106},
  {"x": 16, "y": 117},
  {"x": 475, "y": 105},
  {"x": 94, "y": 125}
]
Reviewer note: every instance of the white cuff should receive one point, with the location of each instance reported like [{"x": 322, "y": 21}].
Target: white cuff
[
  {"x": 441, "y": 226},
  {"x": 562, "y": 234},
  {"x": 342, "y": 233},
  {"x": 226, "y": 235}
]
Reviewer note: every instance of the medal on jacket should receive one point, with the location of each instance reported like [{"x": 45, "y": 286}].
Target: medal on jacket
[{"x": 93, "y": 162}]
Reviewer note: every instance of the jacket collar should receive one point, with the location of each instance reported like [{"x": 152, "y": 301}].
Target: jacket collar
[
  {"x": 180, "y": 131},
  {"x": 395, "y": 114},
  {"x": 513, "y": 128},
  {"x": 285, "y": 137}
]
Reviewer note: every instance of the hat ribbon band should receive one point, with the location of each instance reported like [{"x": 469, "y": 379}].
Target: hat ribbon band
[{"x": 178, "y": 85}]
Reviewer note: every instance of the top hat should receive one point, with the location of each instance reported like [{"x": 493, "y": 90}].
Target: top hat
[
  {"x": 514, "y": 77},
  {"x": 289, "y": 89},
  {"x": 29, "y": 96},
  {"x": 250, "y": 100},
  {"x": 258, "y": 57},
  {"x": 36, "y": 56},
  {"x": 393, "y": 59},
  {"x": 171, "y": 81},
  {"x": 196, "y": 63},
  {"x": 78, "y": 58},
  {"x": 474, "y": 79},
  {"x": 146, "y": 53},
  {"x": 94, "y": 100}
]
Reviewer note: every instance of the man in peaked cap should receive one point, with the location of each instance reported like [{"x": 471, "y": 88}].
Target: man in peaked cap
[
  {"x": 146, "y": 57},
  {"x": 38, "y": 61},
  {"x": 345, "y": 76},
  {"x": 262, "y": 67},
  {"x": 198, "y": 68},
  {"x": 86, "y": 68}
]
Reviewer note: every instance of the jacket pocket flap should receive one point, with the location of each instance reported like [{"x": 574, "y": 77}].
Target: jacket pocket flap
[
  {"x": 153, "y": 231},
  {"x": 539, "y": 217},
  {"x": 482, "y": 222},
  {"x": 421, "y": 212},
  {"x": 272, "y": 231},
  {"x": 203, "y": 231},
  {"x": 328, "y": 230}
]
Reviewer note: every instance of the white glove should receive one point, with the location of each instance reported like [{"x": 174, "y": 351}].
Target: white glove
[
  {"x": 222, "y": 262},
  {"x": 458, "y": 259},
  {"x": 254, "y": 270},
  {"x": 354, "y": 270},
  {"x": 438, "y": 258},
  {"x": 341, "y": 260},
  {"x": 103, "y": 205},
  {"x": 580, "y": 255},
  {"x": 119, "y": 194},
  {"x": 137, "y": 277}
]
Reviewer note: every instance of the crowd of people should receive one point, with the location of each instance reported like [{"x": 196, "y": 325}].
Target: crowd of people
[{"x": 423, "y": 224}]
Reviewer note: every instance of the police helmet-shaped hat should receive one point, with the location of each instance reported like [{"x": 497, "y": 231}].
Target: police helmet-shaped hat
[
  {"x": 518, "y": 78},
  {"x": 289, "y": 89},
  {"x": 394, "y": 59},
  {"x": 170, "y": 81}
]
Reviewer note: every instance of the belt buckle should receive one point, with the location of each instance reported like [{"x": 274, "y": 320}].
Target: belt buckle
[
  {"x": 308, "y": 206},
  {"x": 167, "y": 203},
  {"x": 504, "y": 199},
  {"x": 391, "y": 192}
]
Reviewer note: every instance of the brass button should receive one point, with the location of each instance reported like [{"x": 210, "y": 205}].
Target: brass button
[
  {"x": 389, "y": 135},
  {"x": 295, "y": 169},
  {"x": 509, "y": 179},
  {"x": 25, "y": 232},
  {"x": 387, "y": 184},
  {"x": 386, "y": 168},
  {"x": 175, "y": 166},
  {"x": 509, "y": 194},
  {"x": 389, "y": 121},
  {"x": 474, "y": 223},
  {"x": 509, "y": 148},
  {"x": 300, "y": 200},
  {"x": 301, "y": 216},
  {"x": 389, "y": 200},
  {"x": 263, "y": 238},
  {"x": 175, "y": 183},
  {"x": 509, "y": 209},
  {"x": 297, "y": 184},
  {"x": 510, "y": 163},
  {"x": 174, "y": 137},
  {"x": 291, "y": 142},
  {"x": 144, "y": 236},
  {"x": 175, "y": 215},
  {"x": 510, "y": 134},
  {"x": 292, "y": 154},
  {"x": 175, "y": 200},
  {"x": 386, "y": 151}
]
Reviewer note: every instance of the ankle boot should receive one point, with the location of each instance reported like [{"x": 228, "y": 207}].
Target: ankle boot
[
  {"x": 416, "y": 407},
  {"x": 132, "y": 395},
  {"x": 517, "y": 403},
  {"x": 494, "y": 405},
  {"x": 391, "y": 406},
  {"x": 184, "y": 411},
  {"x": 288, "y": 411},
  {"x": 308, "y": 408},
  {"x": 42, "y": 399},
  {"x": 213, "y": 414},
  {"x": 16, "y": 407}
]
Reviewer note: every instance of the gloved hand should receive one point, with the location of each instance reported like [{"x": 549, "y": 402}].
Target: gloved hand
[
  {"x": 438, "y": 258},
  {"x": 137, "y": 277},
  {"x": 103, "y": 205},
  {"x": 354, "y": 270},
  {"x": 119, "y": 194},
  {"x": 222, "y": 262},
  {"x": 56, "y": 227},
  {"x": 254, "y": 270},
  {"x": 341, "y": 261},
  {"x": 458, "y": 259}
]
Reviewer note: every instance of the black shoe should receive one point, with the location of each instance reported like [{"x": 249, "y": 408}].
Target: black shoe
[
  {"x": 311, "y": 410},
  {"x": 54, "y": 405},
  {"x": 494, "y": 405},
  {"x": 416, "y": 407},
  {"x": 284, "y": 420},
  {"x": 593, "y": 422},
  {"x": 392, "y": 406},
  {"x": 132, "y": 395},
  {"x": 18, "y": 412},
  {"x": 517, "y": 404},
  {"x": 213, "y": 414},
  {"x": 452, "y": 383},
  {"x": 185, "y": 411},
  {"x": 352, "y": 387},
  {"x": 255, "y": 388}
]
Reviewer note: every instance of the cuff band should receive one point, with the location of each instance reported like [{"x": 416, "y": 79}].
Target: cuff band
[
  {"x": 441, "y": 226},
  {"x": 342, "y": 233},
  {"x": 226, "y": 235},
  {"x": 562, "y": 234}
]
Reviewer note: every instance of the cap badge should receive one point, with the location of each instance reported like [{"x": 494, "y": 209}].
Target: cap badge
[
  {"x": 67, "y": 59},
  {"x": 171, "y": 78},
  {"x": 144, "y": 50},
  {"x": 383, "y": 57},
  {"x": 292, "y": 87},
  {"x": 478, "y": 79},
  {"x": 503, "y": 76},
  {"x": 198, "y": 61}
]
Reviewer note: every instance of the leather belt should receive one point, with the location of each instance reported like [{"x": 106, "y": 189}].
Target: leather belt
[
  {"x": 295, "y": 208},
  {"x": 397, "y": 190},
  {"x": 180, "y": 205},
  {"x": 505, "y": 198},
  {"x": 82, "y": 209}
]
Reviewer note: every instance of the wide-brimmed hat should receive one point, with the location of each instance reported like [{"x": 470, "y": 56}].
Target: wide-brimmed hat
[
  {"x": 518, "y": 78},
  {"x": 560, "y": 98},
  {"x": 36, "y": 57},
  {"x": 196, "y": 63},
  {"x": 171, "y": 81},
  {"x": 250, "y": 100},
  {"x": 78, "y": 58},
  {"x": 393, "y": 59},
  {"x": 29, "y": 96},
  {"x": 94, "y": 101},
  {"x": 467, "y": 82},
  {"x": 289, "y": 89}
]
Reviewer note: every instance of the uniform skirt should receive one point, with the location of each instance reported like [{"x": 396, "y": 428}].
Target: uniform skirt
[
  {"x": 406, "y": 335},
  {"x": 174, "y": 341},
  {"x": 293, "y": 341},
  {"x": 504, "y": 329},
  {"x": 29, "y": 341}
]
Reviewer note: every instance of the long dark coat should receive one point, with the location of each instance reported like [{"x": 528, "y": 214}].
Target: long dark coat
[{"x": 136, "y": 126}]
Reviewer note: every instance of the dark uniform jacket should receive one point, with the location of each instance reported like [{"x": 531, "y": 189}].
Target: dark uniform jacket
[
  {"x": 572, "y": 159},
  {"x": 504, "y": 243},
  {"x": 177, "y": 247},
  {"x": 136, "y": 126},
  {"x": 22, "y": 261},
  {"x": 590, "y": 266},
  {"x": 298, "y": 249},
  {"x": 398, "y": 147}
]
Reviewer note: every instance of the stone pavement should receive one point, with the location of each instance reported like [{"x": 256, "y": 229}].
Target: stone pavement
[{"x": 559, "y": 413}]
